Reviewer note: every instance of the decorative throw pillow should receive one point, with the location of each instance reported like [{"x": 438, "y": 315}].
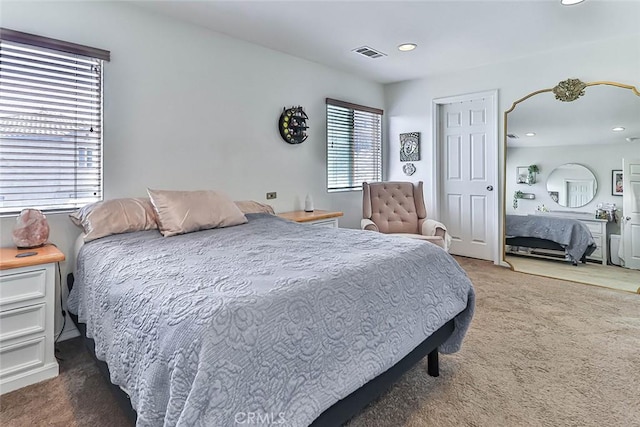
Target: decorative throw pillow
[
  {"x": 114, "y": 216},
  {"x": 181, "y": 212},
  {"x": 250, "y": 206}
]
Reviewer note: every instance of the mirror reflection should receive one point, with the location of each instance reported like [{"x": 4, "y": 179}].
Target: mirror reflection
[
  {"x": 578, "y": 147},
  {"x": 572, "y": 185}
]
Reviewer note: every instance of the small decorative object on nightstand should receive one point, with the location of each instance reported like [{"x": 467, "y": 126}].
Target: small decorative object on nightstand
[
  {"x": 31, "y": 229},
  {"x": 317, "y": 217},
  {"x": 27, "y": 305},
  {"x": 308, "y": 203}
]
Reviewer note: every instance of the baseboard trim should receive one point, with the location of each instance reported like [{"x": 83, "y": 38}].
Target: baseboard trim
[
  {"x": 70, "y": 331},
  {"x": 29, "y": 377}
]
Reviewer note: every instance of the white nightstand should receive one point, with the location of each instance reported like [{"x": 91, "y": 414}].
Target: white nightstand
[
  {"x": 27, "y": 304},
  {"x": 317, "y": 217}
]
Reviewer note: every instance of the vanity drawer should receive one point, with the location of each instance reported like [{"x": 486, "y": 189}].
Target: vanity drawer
[
  {"x": 21, "y": 322},
  {"x": 23, "y": 286},
  {"x": 597, "y": 254},
  {"x": 22, "y": 357},
  {"x": 594, "y": 227}
]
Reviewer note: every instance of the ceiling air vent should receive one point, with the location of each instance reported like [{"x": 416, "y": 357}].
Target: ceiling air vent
[
  {"x": 368, "y": 52},
  {"x": 512, "y": 136}
]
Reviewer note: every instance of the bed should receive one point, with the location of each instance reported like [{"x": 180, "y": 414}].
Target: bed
[
  {"x": 281, "y": 322},
  {"x": 567, "y": 235}
]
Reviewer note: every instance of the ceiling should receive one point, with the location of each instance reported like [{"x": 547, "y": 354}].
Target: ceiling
[{"x": 451, "y": 35}]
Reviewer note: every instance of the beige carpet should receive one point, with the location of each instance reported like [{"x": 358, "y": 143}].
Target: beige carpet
[{"x": 540, "y": 352}]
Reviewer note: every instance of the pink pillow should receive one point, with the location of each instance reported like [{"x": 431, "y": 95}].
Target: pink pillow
[
  {"x": 114, "y": 216},
  {"x": 250, "y": 206},
  {"x": 180, "y": 212}
]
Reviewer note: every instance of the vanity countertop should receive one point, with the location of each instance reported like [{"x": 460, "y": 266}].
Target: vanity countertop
[{"x": 582, "y": 216}]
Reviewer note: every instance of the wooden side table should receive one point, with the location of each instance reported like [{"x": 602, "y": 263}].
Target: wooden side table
[
  {"x": 27, "y": 306},
  {"x": 317, "y": 217}
]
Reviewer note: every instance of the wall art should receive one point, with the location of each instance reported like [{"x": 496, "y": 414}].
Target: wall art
[
  {"x": 410, "y": 147},
  {"x": 409, "y": 169},
  {"x": 293, "y": 125}
]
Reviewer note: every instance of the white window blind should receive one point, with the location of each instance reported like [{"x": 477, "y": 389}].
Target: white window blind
[
  {"x": 354, "y": 145},
  {"x": 50, "y": 125}
]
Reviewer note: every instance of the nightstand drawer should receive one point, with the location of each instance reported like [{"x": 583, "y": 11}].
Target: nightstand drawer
[
  {"x": 23, "y": 286},
  {"x": 21, "y": 322},
  {"x": 333, "y": 223},
  {"x": 21, "y": 357}
]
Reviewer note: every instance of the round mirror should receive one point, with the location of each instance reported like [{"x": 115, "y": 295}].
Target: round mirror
[{"x": 572, "y": 185}]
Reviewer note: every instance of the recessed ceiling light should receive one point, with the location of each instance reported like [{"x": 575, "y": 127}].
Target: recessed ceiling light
[
  {"x": 570, "y": 2},
  {"x": 406, "y": 47},
  {"x": 530, "y": 134},
  {"x": 617, "y": 129}
]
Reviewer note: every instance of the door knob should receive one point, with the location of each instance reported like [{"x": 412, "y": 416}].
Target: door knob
[
  {"x": 628, "y": 218},
  {"x": 490, "y": 187}
]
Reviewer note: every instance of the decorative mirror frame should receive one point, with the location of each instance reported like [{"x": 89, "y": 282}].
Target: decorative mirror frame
[{"x": 565, "y": 91}]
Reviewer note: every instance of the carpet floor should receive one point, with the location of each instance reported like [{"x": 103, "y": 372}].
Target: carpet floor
[{"x": 540, "y": 352}]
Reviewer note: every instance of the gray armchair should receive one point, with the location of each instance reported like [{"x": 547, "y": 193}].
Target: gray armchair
[{"x": 398, "y": 208}]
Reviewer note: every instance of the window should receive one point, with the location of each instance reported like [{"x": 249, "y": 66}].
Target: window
[
  {"x": 50, "y": 123},
  {"x": 354, "y": 145}
]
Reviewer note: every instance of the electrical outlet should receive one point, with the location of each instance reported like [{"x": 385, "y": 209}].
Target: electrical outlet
[{"x": 272, "y": 195}]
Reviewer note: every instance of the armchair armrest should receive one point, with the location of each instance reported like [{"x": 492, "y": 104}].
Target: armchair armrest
[
  {"x": 431, "y": 227},
  {"x": 367, "y": 224}
]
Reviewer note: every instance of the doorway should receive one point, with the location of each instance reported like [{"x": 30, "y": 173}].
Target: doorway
[{"x": 466, "y": 172}]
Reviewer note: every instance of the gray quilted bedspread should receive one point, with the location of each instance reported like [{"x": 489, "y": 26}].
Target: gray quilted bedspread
[
  {"x": 573, "y": 235},
  {"x": 272, "y": 317}
]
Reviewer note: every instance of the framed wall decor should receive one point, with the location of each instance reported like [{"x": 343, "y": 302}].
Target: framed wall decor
[
  {"x": 616, "y": 182},
  {"x": 410, "y": 147}
]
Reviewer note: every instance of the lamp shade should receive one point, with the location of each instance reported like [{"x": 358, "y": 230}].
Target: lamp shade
[{"x": 31, "y": 229}]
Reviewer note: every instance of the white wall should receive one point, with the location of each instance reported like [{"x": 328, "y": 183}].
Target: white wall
[
  {"x": 599, "y": 159},
  {"x": 408, "y": 104},
  {"x": 187, "y": 108}
]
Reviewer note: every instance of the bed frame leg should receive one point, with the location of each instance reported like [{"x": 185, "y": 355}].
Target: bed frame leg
[{"x": 433, "y": 366}]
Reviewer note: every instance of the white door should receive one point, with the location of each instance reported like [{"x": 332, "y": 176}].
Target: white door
[
  {"x": 631, "y": 213},
  {"x": 468, "y": 175}
]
